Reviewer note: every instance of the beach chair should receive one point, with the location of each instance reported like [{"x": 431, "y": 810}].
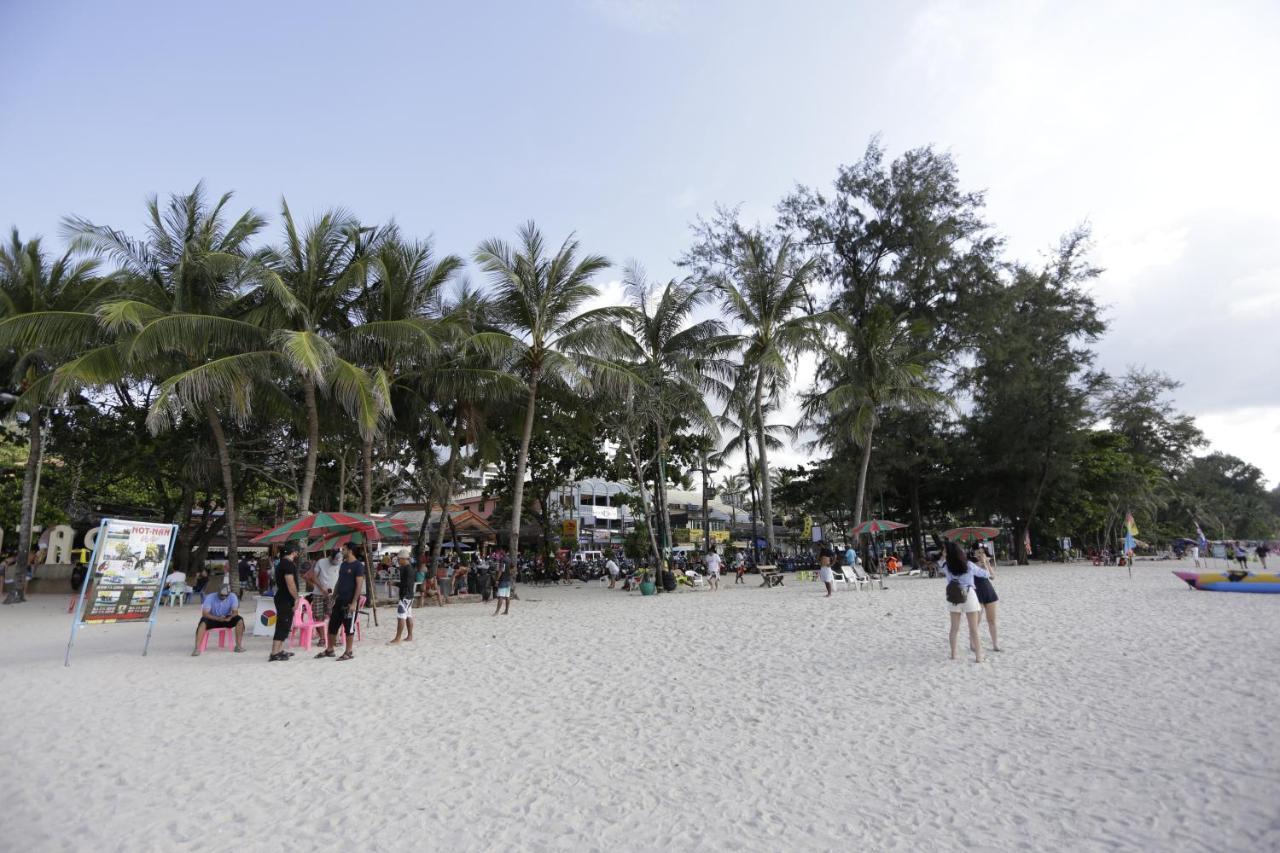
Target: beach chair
[
  {"x": 863, "y": 579},
  {"x": 695, "y": 580},
  {"x": 305, "y": 625},
  {"x": 842, "y": 574}
]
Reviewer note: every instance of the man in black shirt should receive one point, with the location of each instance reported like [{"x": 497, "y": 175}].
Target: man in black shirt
[
  {"x": 404, "y": 608},
  {"x": 346, "y": 602},
  {"x": 286, "y": 598}
]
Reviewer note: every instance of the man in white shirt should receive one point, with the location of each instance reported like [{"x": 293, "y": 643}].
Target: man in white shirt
[
  {"x": 612, "y": 567},
  {"x": 322, "y": 577},
  {"x": 712, "y": 562}
]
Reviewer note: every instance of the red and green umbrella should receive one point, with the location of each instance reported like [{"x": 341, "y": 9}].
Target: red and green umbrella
[
  {"x": 876, "y": 525},
  {"x": 969, "y": 535},
  {"x": 326, "y": 525}
]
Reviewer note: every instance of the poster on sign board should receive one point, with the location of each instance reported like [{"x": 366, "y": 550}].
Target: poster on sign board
[{"x": 128, "y": 567}]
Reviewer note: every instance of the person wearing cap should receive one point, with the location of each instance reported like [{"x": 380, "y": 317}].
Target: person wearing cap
[
  {"x": 221, "y": 610},
  {"x": 322, "y": 577},
  {"x": 285, "y": 599}
]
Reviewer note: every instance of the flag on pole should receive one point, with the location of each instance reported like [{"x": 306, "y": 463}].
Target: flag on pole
[
  {"x": 1026, "y": 541},
  {"x": 1130, "y": 531},
  {"x": 1204, "y": 542}
]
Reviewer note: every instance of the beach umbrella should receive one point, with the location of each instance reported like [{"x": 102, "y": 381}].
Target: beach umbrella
[
  {"x": 876, "y": 525},
  {"x": 356, "y": 538},
  {"x": 327, "y": 525},
  {"x": 969, "y": 535}
]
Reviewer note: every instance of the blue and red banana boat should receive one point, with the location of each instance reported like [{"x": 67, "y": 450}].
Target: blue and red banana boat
[{"x": 1231, "y": 581}]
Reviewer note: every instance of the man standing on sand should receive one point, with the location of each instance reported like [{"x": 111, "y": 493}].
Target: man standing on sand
[
  {"x": 221, "y": 610},
  {"x": 712, "y": 562},
  {"x": 346, "y": 602},
  {"x": 505, "y": 582},
  {"x": 404, "y": 607},
  {"x": 825, "y": 557},
  {"x": 322, "y": 577},
  {"x": 1262, "y": 551},
  {"x": 286, "y": 597}
]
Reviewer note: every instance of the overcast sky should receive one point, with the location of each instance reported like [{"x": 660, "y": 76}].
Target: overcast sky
[{"x": 1156, "y": 122}]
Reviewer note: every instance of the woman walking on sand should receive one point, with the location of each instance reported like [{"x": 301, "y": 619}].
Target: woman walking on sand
[
  {"x": 962, "y": 598},
  {"x": 983, "y": 574}
]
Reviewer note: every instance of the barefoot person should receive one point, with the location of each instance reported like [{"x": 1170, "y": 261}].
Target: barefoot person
[
  {"x": 221, "y": 610},
  {"x": 504, "y": 589},
  {"x": 825, "y": 572},
  {"x": 962, "y": 599},
  {"x": 346, "y": 599},
  {"x": 983, "y": 573},
  {"x": 404, "y": 608},
  {"x": 286, "y": 598},
  {"x": 712, "y": 561}
]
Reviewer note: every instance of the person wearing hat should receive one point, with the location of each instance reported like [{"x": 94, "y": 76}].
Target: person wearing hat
[
  {"x": 221, "y": 610},
  {"x": 285, "y": 599},
  {"x": 322, "y": 577}
]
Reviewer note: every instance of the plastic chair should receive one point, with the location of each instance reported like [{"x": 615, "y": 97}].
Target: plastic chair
[
  {"x": 176, "y": 595},
  {"x": 342, "y": 629},
  {"x": 226, "y": 637},
  {"x": 305, "y": 625}
]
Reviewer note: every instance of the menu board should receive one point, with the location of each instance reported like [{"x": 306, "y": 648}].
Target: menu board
[{"x": 132, "y": 559}]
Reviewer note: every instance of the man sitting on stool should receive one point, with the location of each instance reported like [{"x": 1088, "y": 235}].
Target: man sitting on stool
[{"x": 221, "y": 610}]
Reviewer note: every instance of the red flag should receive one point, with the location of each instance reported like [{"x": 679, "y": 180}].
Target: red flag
[{"x": 1026, "y": 540}]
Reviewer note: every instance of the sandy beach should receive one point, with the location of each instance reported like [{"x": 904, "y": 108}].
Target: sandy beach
[{"x": 1122, "y": 715}]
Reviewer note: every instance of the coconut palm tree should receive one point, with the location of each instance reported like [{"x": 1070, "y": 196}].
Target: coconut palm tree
[
  {"x": 306, "y": 296},
  {"x": 882, "y": 364},
  {"x": 539, "y": 298},
  {"x": 176, "y": 312},
  {"x": 764, "y": 293},
  {"x": 399, "y": 320},
  {"x": 34, "y": 285},
  {"x": 680, "y": 364}
]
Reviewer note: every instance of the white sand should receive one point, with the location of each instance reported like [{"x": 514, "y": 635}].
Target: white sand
[{"x": 1123, "y": 715}]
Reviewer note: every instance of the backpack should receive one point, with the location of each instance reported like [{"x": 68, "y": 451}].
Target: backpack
[{"x": 956, "y": 594}]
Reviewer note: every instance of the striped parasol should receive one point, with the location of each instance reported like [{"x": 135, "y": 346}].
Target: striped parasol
[
  {"x": 876, "y": 525},
  {"x": 968, "y": 535},
  {"x": 328, "y": 525}
]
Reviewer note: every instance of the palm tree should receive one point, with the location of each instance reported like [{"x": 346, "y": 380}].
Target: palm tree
[
  {"x": 679, "y": 364},
  {"x": 306, "y": 294},
  {"x": 538, "y": 297},
  {"x": 32, "y": 285},
  {"x": 399, "y": 320},
  {"x": 764, "y": 292},
  {"x": 740, "y": 424},
  {"x": 175, "y": 318},
  {"x": 881, "y": 366}
]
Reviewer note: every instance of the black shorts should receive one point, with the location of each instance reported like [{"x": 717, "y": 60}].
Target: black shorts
[
  {"x": 284, "y": 619},
  {"x": 340, "y": 616},
  {"x": 986, "y": 591},
  {"x": 210, "y": 623}
]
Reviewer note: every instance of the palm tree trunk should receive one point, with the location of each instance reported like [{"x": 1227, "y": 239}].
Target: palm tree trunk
[
  {"x": 366, "y": 477},
  {"x": 862, "y": 477},
  {"x": 35, "y": 451},
  {"x": 706, "y": 523},
  {"x": 229, "y": 493},
  {"x": 522, "y": 462},
  {"x": 446, "y": 494},
  {"x": 313, "y": 446},
  {"x": 644, "y": 498},
  {"x": 661, "y": 488},
  {"x": 342, "y": 482},
  {"x": 765, "y": 487},
  {"x": 755, "y": 505}
]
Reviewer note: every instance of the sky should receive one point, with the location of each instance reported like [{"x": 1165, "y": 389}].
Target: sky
[{"x": 623, "y": 120}]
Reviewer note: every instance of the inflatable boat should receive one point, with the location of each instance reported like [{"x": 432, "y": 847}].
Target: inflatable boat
[{"x": 1235, "y": 581}]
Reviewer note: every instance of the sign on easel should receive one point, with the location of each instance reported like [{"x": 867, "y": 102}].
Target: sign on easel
[{"x": 129, "y": 564}]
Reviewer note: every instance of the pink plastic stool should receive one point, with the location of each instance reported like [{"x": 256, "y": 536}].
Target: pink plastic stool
[{"x": 226, "y": 637}]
